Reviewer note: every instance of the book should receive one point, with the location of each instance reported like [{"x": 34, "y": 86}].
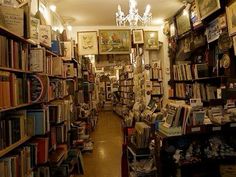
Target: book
[
  {"x": 5, "y": 88},
  {"x": 69, "y": 69},
  {"x": 201, "y": 71},
  {"x": 45, "y": 35},
  {"x": 38, "y": 60},
  {"x": 67, "y": 47},
  {"x": 56, "y": 47},
  {"x": 57, "y": 66},
  {"x": 34, "y": 29},
  {"x": 40, "y": 120},
  {"x": 12, "y": 19},
  {"x": 42, "y": 147}
]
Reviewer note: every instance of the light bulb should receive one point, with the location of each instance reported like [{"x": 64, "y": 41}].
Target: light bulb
[
  {"x": 53, "y": 8},
  {"x": 69, "y": 27}
]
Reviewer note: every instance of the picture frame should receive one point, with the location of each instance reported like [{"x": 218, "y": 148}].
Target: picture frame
[
  {"x": 151, "y": 41},
  {"x": 88, "y": 42},
  {"x": 114, "y": 41},
  {"x": 183, "y": 23},
  {"x": 213, "y": 31},
  {"x": 230, "y": 14},
  {"x": 195, "y": 16},
  {"x": 207, "y": 7},
  {"x": 138, "y": 36}
]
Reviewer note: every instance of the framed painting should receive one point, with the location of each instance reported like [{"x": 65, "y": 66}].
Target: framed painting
[
  {"x": 231, "y": 18},
  {"x": 114, "y": 41},
  {"x": 207, "y": 7},
  {"x": 183, "y": 23},
  {"x": 138, "y": 36},
  {"x": 151, "y": 40},
  {"x": 88, "y": 43}
]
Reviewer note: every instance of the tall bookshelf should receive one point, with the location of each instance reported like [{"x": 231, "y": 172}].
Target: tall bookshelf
[{"x": 36, "y": 106}]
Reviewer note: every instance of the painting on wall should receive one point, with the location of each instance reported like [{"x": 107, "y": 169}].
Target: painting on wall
[
  {"x": 151, "y": 40},
  {"x": 114, "y": 41},
  {"x": 207, "y": 7},
  {"x": 183, "y": 23},
  {"x": 231, "y": 18},
  {"x": 138, "y": 36},
  {"x": 88, "y": 44}
]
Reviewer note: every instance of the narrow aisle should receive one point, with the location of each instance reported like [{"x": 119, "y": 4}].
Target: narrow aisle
[{"x": 105, "y": 160}]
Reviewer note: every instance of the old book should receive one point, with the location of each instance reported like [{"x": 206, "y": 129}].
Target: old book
[
  {"x": 67, "y": 47},
  {"x": 34, "y": 29},
  {"x": 45, "y": 35},
  {"x": 12, "y": 19},
  {"x": 57, "y": 66},
  {"x": 42, "y": 153},
  {"x": 37, "y": 60}
]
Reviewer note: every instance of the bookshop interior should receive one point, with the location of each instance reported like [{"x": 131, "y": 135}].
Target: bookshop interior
[{"x": 126, "y": 88}]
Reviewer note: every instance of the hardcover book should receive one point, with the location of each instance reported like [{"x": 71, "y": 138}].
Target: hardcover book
[
  {"x": 45, "y": 35},
  {"x": 12, "y": 19}
]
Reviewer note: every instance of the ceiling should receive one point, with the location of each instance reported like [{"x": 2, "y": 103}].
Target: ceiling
[{"x": 102, "y": 12}]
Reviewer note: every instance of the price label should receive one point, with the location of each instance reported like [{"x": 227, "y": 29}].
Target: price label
[
  {"x": 196, "y": 129},
  {"x": 233, "y": 125},
  {"x": 216, "y": 128}
]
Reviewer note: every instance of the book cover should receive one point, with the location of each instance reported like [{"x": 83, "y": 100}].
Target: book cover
[
  {"x": 12, "y": 19},
  {"x": 34, "y": 29},
  {"x": 67, "y": 47},
  {"x": 56, "y": 47},
  {"x": 37, "y": 59},
  {"x": 42, "y": 153},
  {"x": 45, "y": 35},
  {"x": 57, "y": 68}
]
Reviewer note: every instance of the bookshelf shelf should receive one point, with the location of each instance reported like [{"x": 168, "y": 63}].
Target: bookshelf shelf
[
  {"x": 13, "y": 146},
  {"x": 51, "y": 53},
  {"x": 17, "y": 107},
  {"x": 8, "y": 33},
  {"x": 14, "y": 70}
]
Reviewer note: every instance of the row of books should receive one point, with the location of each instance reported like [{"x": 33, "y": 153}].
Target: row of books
[
  {"x": 13, "y": 89},
  {"x": 182, "y": 72},
  {"x": 63, "y": 48},
  {"x": 157, "y": 73},
  {"x": 196, "y": 90},
  {"x": 178, "y": 116},
  {"x": 23, "y": 160},
  {"x": 126, "y": 89},
  {"x": 13, "y": 54},
  {"x": 187, "y": 72},
  {"x": 126, "y": 82},
  {"x": 142, "y": 135},
  {"x": 41, "y": 63},
  {"x": 157, "y": 88},
  {"x": 127, "y": 95}
]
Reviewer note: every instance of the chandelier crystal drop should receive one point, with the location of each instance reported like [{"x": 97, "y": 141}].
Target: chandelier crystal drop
[{"x": 133, "y": 17}]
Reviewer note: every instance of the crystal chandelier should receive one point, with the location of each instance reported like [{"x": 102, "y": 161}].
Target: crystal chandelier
[{"x": 133, "y": 17}]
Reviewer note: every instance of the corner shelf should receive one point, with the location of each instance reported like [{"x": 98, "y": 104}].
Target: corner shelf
[
  {"x": 13, "y": 146},
  {"x": 18, "y": 107}
]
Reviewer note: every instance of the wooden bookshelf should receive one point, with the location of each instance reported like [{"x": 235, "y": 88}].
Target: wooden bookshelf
[
  {"x": 11, "y": 35},
  {"x": 13, "y": 146},
  {"x": 51, "y": 53},
  {"x": 15, "y": 70},
  {"x": 17, "y": 107}
]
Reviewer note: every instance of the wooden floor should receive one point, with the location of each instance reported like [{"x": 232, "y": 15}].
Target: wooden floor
[{"x": 105, "y": 160}]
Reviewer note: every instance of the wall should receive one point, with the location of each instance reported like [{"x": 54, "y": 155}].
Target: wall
[{"x": 162, "y": 54}]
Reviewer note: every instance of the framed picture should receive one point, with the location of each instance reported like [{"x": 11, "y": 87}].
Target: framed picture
[
  {"x": 138, "y": 36},
  {"x": 88, "y": 43},
  {"x": 207, "y": 7},
  {"x": 183, "y": 23},
  {"x": 114, "y": 41},
  {"x": 213, "y": 31},
  {"x": 151, "y": 40},
  {"x": 195, "y": 16},
  {"x": 231, "y": 18},
  {"x": 234, "y": 43}
]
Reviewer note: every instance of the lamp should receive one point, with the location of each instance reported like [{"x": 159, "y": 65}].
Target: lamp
[{"x": 133, "y": 17}]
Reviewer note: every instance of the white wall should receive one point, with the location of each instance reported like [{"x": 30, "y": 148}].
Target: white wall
[{"x": 163, "y": 52}]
